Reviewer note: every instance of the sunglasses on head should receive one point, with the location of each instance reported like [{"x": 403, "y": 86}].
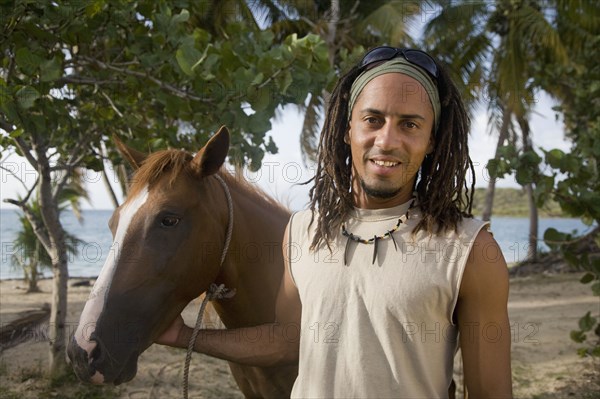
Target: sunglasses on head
[{"x": 416, "y": 57}]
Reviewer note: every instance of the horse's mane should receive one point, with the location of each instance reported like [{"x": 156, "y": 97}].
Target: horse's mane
[
  {"x": 155, "y": 165},
  {"x": 176, "y": 162}
]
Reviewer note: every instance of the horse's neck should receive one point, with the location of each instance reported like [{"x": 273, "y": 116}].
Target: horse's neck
[{"x": 254, "y": 263}]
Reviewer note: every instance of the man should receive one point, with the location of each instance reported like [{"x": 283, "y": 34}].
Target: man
[{"x": 387, "y": 267}]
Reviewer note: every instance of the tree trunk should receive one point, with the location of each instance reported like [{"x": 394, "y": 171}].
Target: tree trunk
[
  {"x": 330, "y": 38},
  {"x": 121, "y": 171},
  {"x": 57, "y": 249},
  {"x": 106, "y": 180},
  {"x": 489, "y": 195},
  {"x": 111, "y": 192},
  {"x": 31, "y": 275},
  {"x": 58, "y": 315},
  {"x": 532, "y": 252}
]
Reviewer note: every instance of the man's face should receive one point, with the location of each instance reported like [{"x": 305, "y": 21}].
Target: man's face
[{"x": 389, "y": 135}]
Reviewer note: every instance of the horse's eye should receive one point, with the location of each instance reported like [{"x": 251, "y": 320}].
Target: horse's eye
[{"x": 169, "y": 221}]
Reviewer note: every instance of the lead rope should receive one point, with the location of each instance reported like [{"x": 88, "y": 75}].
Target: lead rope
[{"x": 214, "y": 291}]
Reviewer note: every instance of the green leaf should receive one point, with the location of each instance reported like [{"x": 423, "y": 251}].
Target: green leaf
[
  {"x": 94, "y": 164},
  {"x": 94, "y": 8},
  {"x": 183, "y": 16},
  {"x": 587, "y": 219},
  {"x": 271, "y": 147},
  {"x": 553, "y": 236},
  {"x": 285, "y": 81},
  {"x": 28, "y": 61},
  {"x": 582, "y": 352},
  {"x": 587, "y": 322},
  {"x": 26, "y": 97},
  {"x": 260, "y": 99},
  {"x": 578, "y": 336},
  {"x": 553, "y": 157},
  {"x": 525, "y": 174},
  {"x": 596, "y": 266},
  {"x": 258, "y": 79},
  {"x": 188, "y": 58},
  {"x": 16, "y": 133},
  {"x": 530, "y": 158},
  {"x": 587, "y": 278},
  {"x": 571, "y": 259},
  {"x": 51, "y": 70},
  {"x": 508, "y": 152},
  {"x": 5, "y": 97},
  {"x": 492, "y": 167},
  {"x": 596, "y": 289}
]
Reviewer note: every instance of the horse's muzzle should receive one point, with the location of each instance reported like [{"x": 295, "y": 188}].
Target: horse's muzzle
[
  {"x": 98, "y": 368},
  {"x": 81, "y": 362}
]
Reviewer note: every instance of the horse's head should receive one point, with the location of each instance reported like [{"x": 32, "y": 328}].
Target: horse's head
[{"x": 167, "y": 239}]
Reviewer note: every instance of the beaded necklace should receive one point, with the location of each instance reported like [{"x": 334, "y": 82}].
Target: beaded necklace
[{"x": 388, "y": 234}]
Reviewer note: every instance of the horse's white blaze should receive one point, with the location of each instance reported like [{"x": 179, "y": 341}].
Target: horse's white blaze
[{"x": 95, "y": 303}]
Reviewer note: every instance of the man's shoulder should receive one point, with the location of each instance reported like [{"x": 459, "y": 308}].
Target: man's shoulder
[
  {"x": 466, "y": 227},
  {"x": 302, "y": 216},
  {"x": 470, "y": 226},
  {"x": 301, "y": 220}
]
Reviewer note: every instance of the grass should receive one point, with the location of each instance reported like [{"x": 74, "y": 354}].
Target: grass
[
  {"x": 30, "y": 373},
  {"x": 34, "y": 381},
  {"x": 512, "y": 202},
  {"x": 3, "y": 368},
  {"x": 68, "y": 386},
  {"x": 6, "y": 393}
]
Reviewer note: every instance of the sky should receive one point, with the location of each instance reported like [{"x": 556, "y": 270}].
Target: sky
[{"x": 282, "y": 172}]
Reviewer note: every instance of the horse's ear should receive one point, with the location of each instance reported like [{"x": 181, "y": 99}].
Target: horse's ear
[
  {"x": 134, "y": 157},
  {"x": 211, "y": 157}
]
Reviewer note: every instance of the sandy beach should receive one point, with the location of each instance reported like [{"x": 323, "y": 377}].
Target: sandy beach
[{"x": 543, "y": 309}]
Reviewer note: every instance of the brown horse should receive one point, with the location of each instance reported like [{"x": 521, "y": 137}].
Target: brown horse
[{"x": 168, "y": 238}]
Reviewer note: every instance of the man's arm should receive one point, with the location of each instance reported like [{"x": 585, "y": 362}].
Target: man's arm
[
  {"x": 483, "y": 321},
  {"x": 277, "y": 344}
]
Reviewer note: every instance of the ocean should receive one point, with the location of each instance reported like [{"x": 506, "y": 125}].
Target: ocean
[{"x": 510, "y": 232}]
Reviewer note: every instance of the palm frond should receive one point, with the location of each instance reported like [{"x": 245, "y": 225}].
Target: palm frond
[
  {"x": 391, "y": 22},
  {"x": 534, "y": 29},
  {"x": 310, "y": 130},
  {"x": 455, "y": 22},
  {"x": 581, "y": 13}
]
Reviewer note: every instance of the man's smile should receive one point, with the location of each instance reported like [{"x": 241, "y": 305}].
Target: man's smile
[{"x": 387, "y": 164}]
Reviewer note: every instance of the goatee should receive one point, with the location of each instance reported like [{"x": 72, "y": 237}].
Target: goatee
[{"x": 377, "y": 192}]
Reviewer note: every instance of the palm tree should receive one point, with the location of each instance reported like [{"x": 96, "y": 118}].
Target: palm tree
[
  {"x": 498, "y": 46},
  {"x": 30, "y": 254}
]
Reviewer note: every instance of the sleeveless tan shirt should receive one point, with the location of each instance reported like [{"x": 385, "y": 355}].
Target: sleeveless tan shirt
[{"x": 382, "y": 330}]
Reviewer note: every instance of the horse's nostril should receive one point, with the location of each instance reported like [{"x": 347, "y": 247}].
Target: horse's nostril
[{"x": 96, "y": 352}]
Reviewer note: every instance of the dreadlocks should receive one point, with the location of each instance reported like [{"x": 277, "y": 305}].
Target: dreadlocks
[{"x": 442, "y": 189}]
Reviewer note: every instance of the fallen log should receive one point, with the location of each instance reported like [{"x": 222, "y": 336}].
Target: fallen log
[{"x": 27, "y": 326}]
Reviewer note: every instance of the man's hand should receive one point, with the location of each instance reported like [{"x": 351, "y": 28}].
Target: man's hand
[{"x": 177, "y": 334}]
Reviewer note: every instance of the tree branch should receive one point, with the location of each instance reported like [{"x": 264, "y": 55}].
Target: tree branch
[
  {"x": 82, "y": 80},
  {"x": 112, "y": 104},
  {"x": 270, "y": 79},
  {"x": 25, "y": 151},
  {"x": 24, "y": 200},
  {"x": 7, "y": 127},
  {"x": 75, "y": 157},
  {"x": 15, "y": 176},
  {"x": 166, "y": 86}
]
